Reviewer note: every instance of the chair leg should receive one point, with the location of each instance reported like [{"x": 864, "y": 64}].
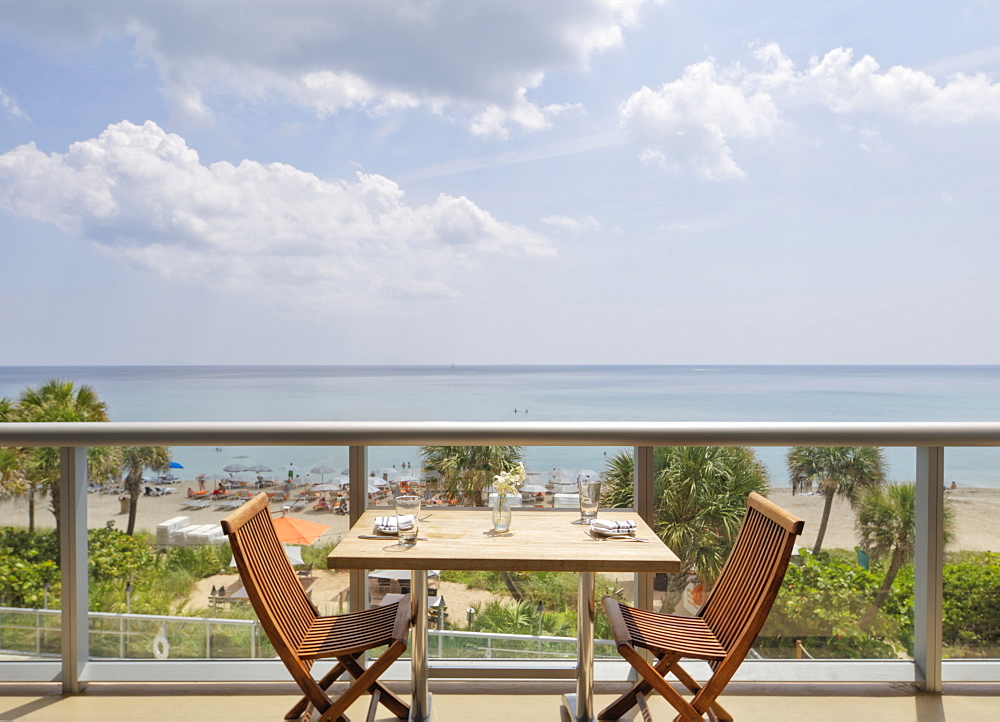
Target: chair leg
[
  {"x": 385, "y": 696},
  {"x": 701, "y": 701},
  {"x": 656, "y": 680},
  {"x": 301, "y": 706},
  {"x": 629, "y": 699}
]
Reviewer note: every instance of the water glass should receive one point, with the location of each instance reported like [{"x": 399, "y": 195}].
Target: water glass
[
  {"x": 407, "y": 522},
  {"x": 590, "y": 499}
]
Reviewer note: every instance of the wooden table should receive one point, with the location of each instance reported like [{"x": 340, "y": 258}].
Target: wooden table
[{"x": 539, "y": 541}]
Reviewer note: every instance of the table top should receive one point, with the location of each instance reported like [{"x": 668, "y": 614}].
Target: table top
[{"x": 538, "y": 541}]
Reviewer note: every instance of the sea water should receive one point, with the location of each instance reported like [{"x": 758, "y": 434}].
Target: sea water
[{"x": 535, "y": 393}]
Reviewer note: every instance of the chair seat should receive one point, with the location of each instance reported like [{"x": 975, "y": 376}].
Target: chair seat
[
  {"x": 348, "y": 633},
  {"x": 659, "y": 633}
]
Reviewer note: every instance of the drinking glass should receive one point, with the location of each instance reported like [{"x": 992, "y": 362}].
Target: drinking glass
[
  {"x": 407, "y": 520},
  {"x": 590, "y": 499}
]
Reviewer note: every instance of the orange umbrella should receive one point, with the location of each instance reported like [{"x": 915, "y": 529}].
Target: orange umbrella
[{"x": 298, "y": 531}]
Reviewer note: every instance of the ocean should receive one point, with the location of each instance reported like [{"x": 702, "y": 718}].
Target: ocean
[{"x": 536, "y": 393}]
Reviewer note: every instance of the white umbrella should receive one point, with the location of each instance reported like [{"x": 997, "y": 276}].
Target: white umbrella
[
  {"x": 234, "y": 468},
  {"x": 325, "y": 487},
  {"x": 587, "y": 474},
  {"x": 322, "y": 471},
  {"x": 341, "y": 481},
  {"x": 533, "y": 489}
]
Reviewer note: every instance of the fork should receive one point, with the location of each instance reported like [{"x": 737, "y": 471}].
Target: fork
[{"x": 624, "y": 537}]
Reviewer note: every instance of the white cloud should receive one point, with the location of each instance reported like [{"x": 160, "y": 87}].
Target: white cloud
[
  {"x": 587, "y": 223},
  {"x": 472, "y": 61},
  {"x": 10, "y": 106},
  {"x": 687, "y": 124},
  {"x": 271, "y": 230}
]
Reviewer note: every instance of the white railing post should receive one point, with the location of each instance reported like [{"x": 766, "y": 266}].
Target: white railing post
[
  {"x": 358, "y": 500},
  {"x": 73, "y": 559},
  {"x": 928, "y": 560},
  {"x": 644, "y": 506}
]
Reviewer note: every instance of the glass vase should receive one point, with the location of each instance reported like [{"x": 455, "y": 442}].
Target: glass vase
[{"x": 501, "y": 514}]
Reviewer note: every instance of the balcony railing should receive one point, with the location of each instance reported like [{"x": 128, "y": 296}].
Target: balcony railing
[{"x": 928, "y": 669}]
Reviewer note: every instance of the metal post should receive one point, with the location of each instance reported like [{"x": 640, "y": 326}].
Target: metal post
[
  {"x": 928, "y": 560},
  {"x": 420, "y": 700},
  {"x": 73, "y": 556},
  {"x": 358, "y": 496},
  {"x": 644, "y": 506}
]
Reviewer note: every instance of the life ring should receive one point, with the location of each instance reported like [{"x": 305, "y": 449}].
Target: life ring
[{"x": 161, "y": 647}]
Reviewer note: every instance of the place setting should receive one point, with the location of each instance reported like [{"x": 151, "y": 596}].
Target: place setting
[
  {"x": 404, "y": 525},
  {"x": 601, "y": 529}
]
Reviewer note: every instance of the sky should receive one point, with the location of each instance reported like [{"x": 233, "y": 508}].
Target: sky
[{"x": 499, "y": 182}]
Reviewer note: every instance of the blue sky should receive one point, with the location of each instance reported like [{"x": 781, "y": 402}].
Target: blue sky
[{"x": 570, "y": 181}]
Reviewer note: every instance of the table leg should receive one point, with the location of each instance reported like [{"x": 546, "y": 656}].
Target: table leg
[
  {"x": 420, "y": 700},
  {"x": 580, "y": 706}
]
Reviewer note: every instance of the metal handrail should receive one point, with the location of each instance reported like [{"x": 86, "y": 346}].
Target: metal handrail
[{"x": 528, "y": 433}]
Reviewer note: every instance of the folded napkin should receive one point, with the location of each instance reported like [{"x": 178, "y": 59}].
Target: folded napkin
[
  {"x": 607, "y": 526},
  {"x": 390, "y": 525}
]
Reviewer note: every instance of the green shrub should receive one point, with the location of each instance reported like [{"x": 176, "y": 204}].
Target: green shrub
[
  {"x": 972, "y": 602},
  {"x": 820, "y": 603}
]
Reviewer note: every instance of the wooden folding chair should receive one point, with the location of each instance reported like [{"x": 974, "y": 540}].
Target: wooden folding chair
[
  {"x": 724, "y": 629},
  {"x": 300, "y": 635}
]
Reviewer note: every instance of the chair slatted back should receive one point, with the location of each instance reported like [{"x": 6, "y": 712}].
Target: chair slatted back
[
  {"x": 267, "y": 574},
  {"x": 752, "y": 575}
]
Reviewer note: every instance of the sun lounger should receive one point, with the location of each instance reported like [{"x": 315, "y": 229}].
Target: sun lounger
[{"x": 196, "y": 504}]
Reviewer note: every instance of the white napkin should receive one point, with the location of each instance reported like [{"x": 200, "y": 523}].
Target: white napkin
[
  {"x": 389, "y": 524},
  {"x": 607, "y": 526}
]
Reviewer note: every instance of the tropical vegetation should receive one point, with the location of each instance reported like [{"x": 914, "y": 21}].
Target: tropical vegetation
[
  {"x": 29, "y": 472},
  {"x": 468, "y": 471},
  {"x": 886, "y": 523},
  {"x": 843, "y": 471},
  {"x": 700, "y": 496}
]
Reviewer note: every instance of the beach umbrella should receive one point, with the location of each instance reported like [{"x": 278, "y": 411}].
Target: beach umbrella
[
  {"x": 259, "y": 468},
  {"x": 175, "y": 465},
  {"x": 587, "y": 474},
  {"x": 234, "y": 468},
  {"x": 533, "y": 489},
  {"x": 325, "y": 487},
  {"x": 341, "y": 481},
  {"x": 298, "y": 531},
  {"x": 322, "y": 471}
]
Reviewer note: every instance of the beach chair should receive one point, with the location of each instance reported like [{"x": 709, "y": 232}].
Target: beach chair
[
  {"x": 724, "y": 628},
  {"x": 300, "y": 635}
]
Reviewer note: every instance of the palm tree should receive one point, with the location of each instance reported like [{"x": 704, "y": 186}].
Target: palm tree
[
  {"x": 469, "y": 470},
  {"x": 700, "y": 495},
  {"x": 886, "y": 526},
  {"x": 56, "y": 400},
  {"x": 134, "y": 460},
  {"x": 12, "y": 481},
  {"x": 838, "y": 471}
]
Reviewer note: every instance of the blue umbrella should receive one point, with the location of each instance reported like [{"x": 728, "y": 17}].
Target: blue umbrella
[{"x": 175, "y": 465}]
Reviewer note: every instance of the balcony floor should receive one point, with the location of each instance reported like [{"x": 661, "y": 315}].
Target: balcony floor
[{"x": 496, "y": 702}]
